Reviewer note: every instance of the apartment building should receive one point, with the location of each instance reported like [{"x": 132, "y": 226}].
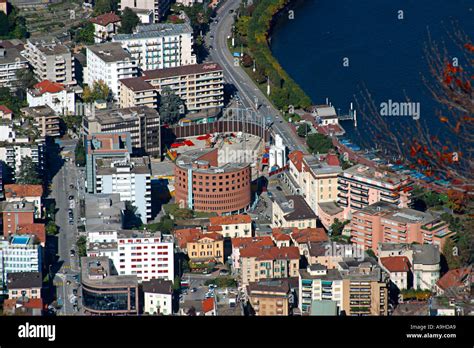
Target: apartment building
[
  {"x": 233, "y": 226},
  {"x": 131, "y": 179},
  {"x": 15, "y": 214},
  {"x": 142, "y": 253},
  {"x": 101, "y": 146},
  {"x": 13, "y": 153},
  {"x": 160, "y": 45},
  {"x": 382, "y": 222},
  {"x": 44, "y": 119},
  {"x": 11, "y": 61},
  {"x": 360, "y": 186},
  {"x": 268, "y": 262},
  {"x": 24, "y": 285},
  {"x": 142, "y": 123},
  {"x": 19, "y": 254},
  {"x": 50, "y": 60},
  {"x": 200, "y": 86},
  {"x": 205, "y": 248},
  {"x": 399, "y": 271},
  {"x": 423, "y": 258},
  {"x": 319, "y": 286},
  {"x": 5, "y": 113},
  {"x": 104, "y": 292},
  {"x": 16, "y": 193},
  {"x": 292, "y": 211},
  {"x": 137, "y": 92},
  {"x": 269, "y": 297},
  {"x": 55, "y": 95},
  {"x": 240, "y": 243},
  {"x": 365, "y": 287},
  {"x": 106, "y": 26},
  {"x": 313, "y": 177},
  {"x": 159, "y": 7},
  {"x": 104, "y": 211},
  {"x": 109, "y": 62},
  {"x": 158, "y": 297}
]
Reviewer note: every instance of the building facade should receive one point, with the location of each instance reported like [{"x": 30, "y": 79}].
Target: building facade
[
  {"x": 55, "y": 95},
  {"x": 50, "y": 60},
  {"x": 11, "y": 61},
  {"x": 160, "y": 46},
  {"x": 109, "y": 62},
  {"x": 159, "y": 7}
]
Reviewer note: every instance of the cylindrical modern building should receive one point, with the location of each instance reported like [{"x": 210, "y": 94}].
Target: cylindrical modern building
[{"x": 202, "y": 185}]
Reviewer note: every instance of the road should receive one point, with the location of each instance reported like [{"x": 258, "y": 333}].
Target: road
[
  {"x": 235, "y": 75},
  {"x": 67, "y": 175}
]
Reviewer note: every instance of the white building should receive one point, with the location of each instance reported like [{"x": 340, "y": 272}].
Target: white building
[
  {"x": 134, "y": 252},
  {"x": 158, "y": 297},
  {"x": 130, "y": 179},
  {"x": 277, "y": 154},
  {"x": 50, "y": 60},
  {"x": 55, "y": 95},
  {"x": 7, "y": 133},
  {"x": 109, "y": 62},
  {"x": 159, "y": 46},
  {"x": 398, "y": 268},
  {"x": 11, "y": 61},
  {"x": 231, "y": 226},
  {"x": 12, "y": 154},
  {"x": 19, "y": 253},
  {"x": 317, "y": 283},
  {"x": 159, "y": 8},
  {"x": 105, "y": 26}
]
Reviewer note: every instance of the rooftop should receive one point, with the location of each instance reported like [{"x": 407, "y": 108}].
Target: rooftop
[
  {"x": 191, "y": 159},
  {"x": 158, "y": 286},
  {"x": 105, "y": 19},
  {"x": 46, "y": 86},
  {"x": 17, "y": 207},
  {"x": 24, "y": 280},
  {"x": 20, "y": 191},
  {"x": 274, "y": 286},
  {"x": 193, "y": 69},
  {"x": 271, "y": 253},
  {"x": 109, "y": 142},
  {"x": 156, "y": 30},
  {"x": 330, "y": 208},
  {"x": 98, "y": 271},
  {"x": 455, "y": 278},
  {"x": 135, "y": 165},
  {"x": 137, "y": 84},
  {"x": 396, "y": 263},
  {"x": 112, "y": 116},
  {"x": 103, "y": 211},
  {"x": 242, "y": 242},
  {"x": 230, "y": 219},
  {"x": 110, "y": 52},
  {"x": 49, "y": 46},
  {"x": 294, "y": 207},
  {"x": 385, "y": 177}
]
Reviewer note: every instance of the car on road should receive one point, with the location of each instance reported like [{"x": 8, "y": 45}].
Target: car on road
[
  {"x": 73, "y": 252},
  {"x": 279, "y": 188},
  {"x": 71, "y": 186},
  {"x": 68, "y": 282},
  {"x": 193, "y": 290},
  {"x": 210, "y": 47},
  {"x": 223, "y": 272},
  {"x": 71, "y": 198},
  {"x": 212, "y": 37},
  {"x": 74, "y": 292}
]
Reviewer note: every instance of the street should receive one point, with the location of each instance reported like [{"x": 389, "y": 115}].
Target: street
[
  {"x": 242, "y": 82},
  {"x": 69, "y": 267}
]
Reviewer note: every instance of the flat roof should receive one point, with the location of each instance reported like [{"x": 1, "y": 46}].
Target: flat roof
[
  {"x": 98, "y": 271},
  {"x": 110, "y": 52},
  {"x": 156, "y": 30},
  {"x": 136, "y": 165},
  {"x": 294, "y": 207},
  {"x": 181, "y": 70}
]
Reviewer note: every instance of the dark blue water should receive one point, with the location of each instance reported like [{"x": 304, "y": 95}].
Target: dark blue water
[{"x": 386, "y": 54}]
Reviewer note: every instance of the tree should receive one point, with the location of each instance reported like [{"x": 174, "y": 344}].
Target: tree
[
  {"x": 4, "y": 25},
  {"x": 82, "y": 246},
  {"x": 51, "y": 228},
  {"x": 303, "y": 130},
  {"x": 130, "y": 216},
  {"x": 338, "y": 226},
  {"x": 371, "y": 253},
  {"x": 80, "y": 153},
  {"x": 104, "y": 6},
  {"x": 86, "y": 34},
  {"x": 171, "y": 106},
  {"x": 99, "y": 91},
  {"x": 318, "y": 143},
  {"x": 129, "y": 21},
  {"x": 28, "y": 173}
]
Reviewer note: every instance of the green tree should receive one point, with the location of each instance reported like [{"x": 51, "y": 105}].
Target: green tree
[
  {"x": 104, "y": 6},
  {"x": 176, "y": 283},
  {"x": 82, "y": 246},
  {"x": 28, "y": 173},
  {"x": 4, "y": 25},
  {"x": 303, "y": 130},
  {"x": 371, "y": 253},
  {"x": 130, "y": 216},
  {"x": 338, "y": 226},
  {"x": 51, "y": 228},
  {"x": 86, "y": 34},
  {"x": 80, "y": 153},
  {"x": 99, "y": 91},
  {"x": 171, "y": 106},
  {"x": 129, "y": 21},
  {"x": 319, "y": 143}
]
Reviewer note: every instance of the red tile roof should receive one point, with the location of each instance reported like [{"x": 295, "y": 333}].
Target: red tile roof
[
  {"x": 279, "y": 236},
  {"x": 230, "y": 219},
  {"x": 35, "y": 229},
  {"x": 312, "y": 234},
  {"x": 396, "y": 263},
  {"x": 332, "y": 160},
  {"x": 47, "y": 86},
  {"x": 5, "y": 109},
  {"x": 212, "y": 235},
  {"x": 17, "y": 190},
  {"x": 214, "y": 228},
  {"x": 297, "y": 158},
  {"x": 208, "y": 305},
  {"x": 186, "y": 234},
  {"x": 105, "y": 19},
  {"x": 243, "y": 242},
  {"x": 272, "y": 253},
  {"x": 454, "y": 278}
]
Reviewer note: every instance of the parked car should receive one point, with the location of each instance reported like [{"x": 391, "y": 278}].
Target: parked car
[
  {"x": 193, "y": 290},
  {"x": 71, "y": 186},
  {"x": 74, "y": 292},
  {"x": 71, "y": 198},
  {"x": 73, "y": 252},
  {"x": 223, "y": 272}
]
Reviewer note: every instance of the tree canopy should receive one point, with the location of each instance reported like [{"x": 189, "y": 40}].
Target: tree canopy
[
  {"x": 86, "y": 34},
  {"x": 171, "y": 106},
  {"x": 318, "y": 143},
  {"x": 99, "y": 91},
  {"x": 129, "y": 21},
  {"x": 28, "y": 172}
]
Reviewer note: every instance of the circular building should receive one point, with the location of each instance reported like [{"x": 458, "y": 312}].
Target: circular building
[{"x": 202, "y": 185}]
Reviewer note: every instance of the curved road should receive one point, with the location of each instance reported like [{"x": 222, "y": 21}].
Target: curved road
[{"x": 242, "y": 82}]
